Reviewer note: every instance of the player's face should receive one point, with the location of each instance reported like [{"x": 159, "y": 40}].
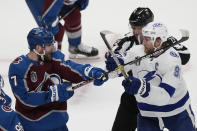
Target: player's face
[
  {"x": 49, "y": 48},
  {"x": 148, "y": 45},
  {"x": 137, "y": 30}
]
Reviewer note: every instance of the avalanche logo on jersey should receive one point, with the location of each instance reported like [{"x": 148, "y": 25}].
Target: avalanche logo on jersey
[
  {"x": 17, "y": 60},
  {"x": 39, "y": 88},
  {"x": 33, "y": 76},
  {"x": 173, "y": 54},
  {"x": 6, "y": 108}
]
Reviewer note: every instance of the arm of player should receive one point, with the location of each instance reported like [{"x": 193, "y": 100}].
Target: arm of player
[
  {"x": 10, "y": 120},
  {"x": 148, "y": 93},
  {"x": 34, "y": 98},
  {"x": 87, "y": 71},
  {"x": 172, "y": 82},
  {"x": 74, "y": 72},
  {"x": 161, "y": 88},
  {"x": 50, "y": 15},
  {"x": 128, "y": 56},
  {"x": 59, "y": 92}
]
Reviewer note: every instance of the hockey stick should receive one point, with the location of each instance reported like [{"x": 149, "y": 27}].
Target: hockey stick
[
  {"x": 185, "y": 36},
  {"x": 79, "y": 85},
  {"x": 68, "y": 13},
  {"x": 103, "y": 35}
]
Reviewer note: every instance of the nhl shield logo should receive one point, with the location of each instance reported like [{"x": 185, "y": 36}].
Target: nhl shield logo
[{"x": 33, "y": 76}]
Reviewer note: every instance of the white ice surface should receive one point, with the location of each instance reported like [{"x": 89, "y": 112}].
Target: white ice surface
[{"x": 94, "y": 108}]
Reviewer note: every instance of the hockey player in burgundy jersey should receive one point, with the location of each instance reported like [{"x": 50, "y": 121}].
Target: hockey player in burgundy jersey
[
  {"x": 9, "y": 119},
  {"x": 47, "y": 14},
  {"x": 40, "y": 103}
]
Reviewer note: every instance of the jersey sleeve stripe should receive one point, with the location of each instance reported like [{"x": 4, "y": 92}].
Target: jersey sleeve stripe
[{"x": 168, "y": 88}]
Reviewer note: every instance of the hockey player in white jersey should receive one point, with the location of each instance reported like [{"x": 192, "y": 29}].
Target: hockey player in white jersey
[
  {"x": 158, "y": 85},
  {"x": 126, "y": 117}
]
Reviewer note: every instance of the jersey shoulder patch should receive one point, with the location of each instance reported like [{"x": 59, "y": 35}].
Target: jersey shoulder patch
[
  {"x": 19, "y": 65},
  {"x": 174, "y": 54}
]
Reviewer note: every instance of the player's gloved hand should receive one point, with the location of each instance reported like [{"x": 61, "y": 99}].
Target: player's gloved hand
[
  {"x": 82, "y": 4},
  {"x": 136, "y": 86},
  {"x": 59, "y": 92},
  {"x": 51, "y": 24},
  {"x": 97, "y": 73},
  {"x": 54, "y": 27},
  {"x": 111, "y": 64}
]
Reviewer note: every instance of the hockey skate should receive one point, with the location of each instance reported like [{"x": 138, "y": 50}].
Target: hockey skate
[{"x": 82, "y": 51}]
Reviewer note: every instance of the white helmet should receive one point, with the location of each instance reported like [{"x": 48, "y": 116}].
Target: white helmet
[{"x": 155, "y": 30}]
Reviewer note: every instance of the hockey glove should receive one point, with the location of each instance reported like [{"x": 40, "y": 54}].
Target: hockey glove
[
  {"x": 111, "y": 64},
  {"x": 97, "y": 73},
  {"x": 54, "y": 28},
  {"x": 51, "y": 24},
  {"x": 82, "y": 4},
  {"x": 137, "y": 86},
  {"x": 59, "y": 92}
]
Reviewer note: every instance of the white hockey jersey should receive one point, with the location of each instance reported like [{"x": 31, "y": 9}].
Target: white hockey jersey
[{"x": 168, "y": 93}]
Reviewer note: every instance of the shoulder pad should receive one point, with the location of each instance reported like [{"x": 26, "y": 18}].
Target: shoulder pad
[
  {"x": 171, "y": 56},
  {"x": 58, "y": 55},
  {"x": 19, "y": 65}
]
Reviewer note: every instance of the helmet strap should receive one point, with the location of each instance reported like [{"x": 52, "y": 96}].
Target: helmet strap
[
  {"x": 41, "y": 55},
  {"x": 156, "y": 48}
]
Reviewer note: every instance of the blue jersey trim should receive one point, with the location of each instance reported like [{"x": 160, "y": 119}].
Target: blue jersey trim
[
  {"x": 74, "y": 41},
  {"x": 166, "y": 108},
  {"x": 168, "y": 88}
]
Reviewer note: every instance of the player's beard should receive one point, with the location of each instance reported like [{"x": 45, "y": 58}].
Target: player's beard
[
  {"x": 148, "y": 50},
  {"x": 47, "y": 58}
]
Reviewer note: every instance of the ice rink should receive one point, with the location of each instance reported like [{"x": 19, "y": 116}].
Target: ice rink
[{"x": 94, "y": 108}]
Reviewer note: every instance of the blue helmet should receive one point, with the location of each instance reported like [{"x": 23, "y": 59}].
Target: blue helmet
[
  {"x": 39, "y": 36},
  {"x": 1, "y": 82}
]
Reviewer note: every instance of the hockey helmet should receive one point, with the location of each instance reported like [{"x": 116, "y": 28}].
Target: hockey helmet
[
  {"x": 141, "y": 17},
  {"x": 155, "y": 30},
  {"x": 40, "y": 36}
]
